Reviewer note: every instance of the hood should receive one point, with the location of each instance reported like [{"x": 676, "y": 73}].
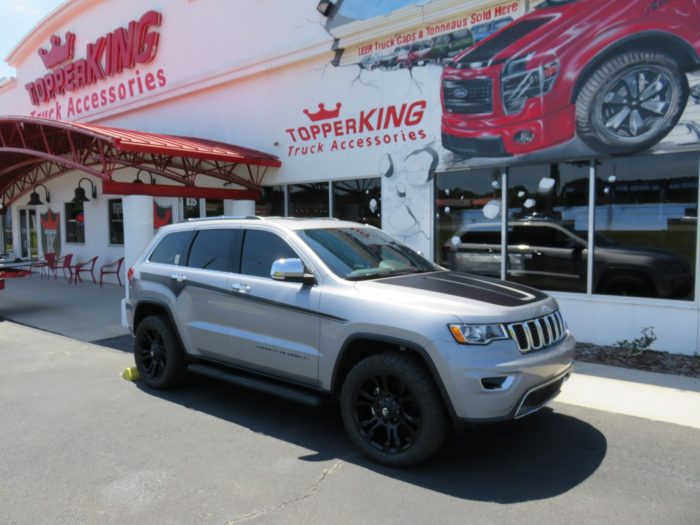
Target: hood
[
  {"x": 463, "y": 295},
  {"x": 543, "y": 30}
]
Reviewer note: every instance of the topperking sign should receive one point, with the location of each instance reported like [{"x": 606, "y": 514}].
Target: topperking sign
[{"x": 110, "y": 55}]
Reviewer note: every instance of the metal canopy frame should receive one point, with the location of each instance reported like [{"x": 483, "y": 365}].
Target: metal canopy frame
[{"x": 34, "y": 151}]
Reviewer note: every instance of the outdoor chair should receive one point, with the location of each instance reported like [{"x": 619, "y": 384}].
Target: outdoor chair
[
  {"x": 44, "y": 265},
  {"x": 63, "y": 263},
  {"x": 83, "y": 267},
  {"x": 112, "y": 268}
]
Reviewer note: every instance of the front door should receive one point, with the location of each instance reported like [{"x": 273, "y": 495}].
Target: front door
[
  {"x": 276, "y": 324},
  {"x": 28, "y": 239}
]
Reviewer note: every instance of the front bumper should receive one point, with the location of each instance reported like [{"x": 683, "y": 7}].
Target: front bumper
[
  {"x": 498, "y": 137},
  {"x": 497, "y": 382}
]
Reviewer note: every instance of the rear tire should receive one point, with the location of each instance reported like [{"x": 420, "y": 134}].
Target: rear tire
[
  {"x": 631, "y": 102},
  {"x": 627, "y": 285},
  {"x": 158, "y": 354},
  {"x": 392, "y": 410}
]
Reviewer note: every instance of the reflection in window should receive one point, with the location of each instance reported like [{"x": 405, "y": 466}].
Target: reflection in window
[
  {"x": 172, "y": 249},
  {"x": 468, "y": 224},
  {"x": 116, "y": 222},
  {"x": 75, "y": 223},
  {"x": 647, "y": 207},
  {"x": 358, "y": 200},
  {"x": 260, "y": 250},
  {"x": 6, "y": 220},
  {"x": 214, "y": 208},
  {"x": 308, "y": 200},
  {"x": 271, "y": 202},
  {"x": 548, "y": 226},
  {"x": 215, "y": 250}
]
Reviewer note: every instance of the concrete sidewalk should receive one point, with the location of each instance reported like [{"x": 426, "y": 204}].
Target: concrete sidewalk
[
  {"x": 659, "y": 397},
  {"x": 83, "y": 311},
  {"x": 89, "y": 313}
]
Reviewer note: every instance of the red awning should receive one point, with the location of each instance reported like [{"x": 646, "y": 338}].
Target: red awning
[{"x": 34, "y": 150}]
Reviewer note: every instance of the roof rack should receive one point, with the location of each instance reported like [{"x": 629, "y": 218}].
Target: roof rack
[{"x": 226, "y": 217}]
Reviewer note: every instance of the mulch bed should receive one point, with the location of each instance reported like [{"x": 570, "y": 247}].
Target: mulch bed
[{"x": 649, "y": 360}]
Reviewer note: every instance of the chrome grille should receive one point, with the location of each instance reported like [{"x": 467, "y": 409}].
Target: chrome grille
[
  {"x": 538, "y": 333},
  {"x": 468, "y": 97}
]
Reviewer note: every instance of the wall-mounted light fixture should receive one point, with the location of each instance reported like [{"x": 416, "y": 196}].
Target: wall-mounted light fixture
[
  {"x": 80, "y": 191},
  {"x": 325, "y": 7},
  {"x": 34, "y": 199},
  {"x": 138, "y": 180}
]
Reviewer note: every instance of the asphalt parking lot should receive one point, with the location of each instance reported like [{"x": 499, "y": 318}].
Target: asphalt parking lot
[{"x": 81, "y": 445}]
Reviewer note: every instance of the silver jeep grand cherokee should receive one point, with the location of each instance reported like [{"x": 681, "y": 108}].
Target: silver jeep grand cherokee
[{"x": 307, "y": 308}]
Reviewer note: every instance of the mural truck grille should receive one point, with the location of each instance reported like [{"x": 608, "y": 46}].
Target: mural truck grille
[
  {"x": 538, "y": 333},
  {"x": 468, "y": 97}
]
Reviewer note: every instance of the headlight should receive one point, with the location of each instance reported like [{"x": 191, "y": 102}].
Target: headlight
[
  {"x": 521, "y": 81},
  {"x": 477, "y": 334}
]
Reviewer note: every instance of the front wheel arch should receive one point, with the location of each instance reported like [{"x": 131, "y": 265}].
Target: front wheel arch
[{"x": 362, "y": 345}]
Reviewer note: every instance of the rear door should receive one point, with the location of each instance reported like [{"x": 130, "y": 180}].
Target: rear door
[
  {"x": 203, "y": 290},
  {"x": 274, "y": 325}
]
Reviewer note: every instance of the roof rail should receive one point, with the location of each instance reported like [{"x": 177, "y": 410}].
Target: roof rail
[{"x": 226, "y": 217}]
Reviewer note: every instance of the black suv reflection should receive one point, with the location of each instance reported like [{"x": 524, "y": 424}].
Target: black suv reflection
[{"x": 551, "y": 255}]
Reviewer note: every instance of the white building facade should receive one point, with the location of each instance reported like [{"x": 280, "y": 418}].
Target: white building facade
[{"x": 498, "y": 137}]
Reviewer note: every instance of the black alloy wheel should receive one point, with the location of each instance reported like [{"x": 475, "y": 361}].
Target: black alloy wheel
[
  {"x": 386, "y": 414},
  {"x": 152, "y": 353},
  {"x": 392, "y": 410},
  {"x": 158, "y": 354},
  {"x": 631, "y": 102}
]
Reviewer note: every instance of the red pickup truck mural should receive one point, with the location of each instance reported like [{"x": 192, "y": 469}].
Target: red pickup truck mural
[{"x": 611, "y": 72}]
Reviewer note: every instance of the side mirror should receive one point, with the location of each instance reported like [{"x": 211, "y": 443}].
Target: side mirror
[{"x": 291, "y": 270}]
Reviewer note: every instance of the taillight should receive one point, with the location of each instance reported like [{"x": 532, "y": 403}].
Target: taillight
[{"x": 130, "y": 274}]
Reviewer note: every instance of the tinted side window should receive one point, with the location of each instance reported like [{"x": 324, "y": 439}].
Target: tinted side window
[
  {"x": 482, "y": 237},
  {"x": 215, "y": 250},
  {"x": 260, "y": 250},
  {"x": 172, "y": 249}
]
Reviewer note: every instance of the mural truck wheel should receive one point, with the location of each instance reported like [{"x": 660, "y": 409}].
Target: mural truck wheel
[{"x": 631, "y": 102}]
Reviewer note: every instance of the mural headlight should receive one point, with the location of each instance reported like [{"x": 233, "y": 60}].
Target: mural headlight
[{"x": 521, "y": 81}]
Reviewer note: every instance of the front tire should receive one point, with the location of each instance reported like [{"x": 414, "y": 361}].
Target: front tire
[
  {"x": 631, "y": 102},
  {"x": 158, "y": 354},
  {"x": 392, "y": 410}
]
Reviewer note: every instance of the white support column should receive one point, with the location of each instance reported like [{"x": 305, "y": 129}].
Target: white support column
[
  {"x": 138, "y": 232},
  {"x": 228, "y": 207},
  {"x": 243, "y": 208}
]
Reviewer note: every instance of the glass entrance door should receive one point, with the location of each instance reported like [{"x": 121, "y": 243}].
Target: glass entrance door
[{"x": 28, "y": 238}]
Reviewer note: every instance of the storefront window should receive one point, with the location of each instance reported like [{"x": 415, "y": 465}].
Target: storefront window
[
  {"x": 358, "y": 200},
  {"x": 75, "y": 223},
  {"x": 6, "y": 220},
  {"x": 190, "y": 208},
  {"x": 308, "y": 200},
  {"x": 116, "y": 222},
  {"x": 548, "y": 226},
  {"x": 271, "y": 202},
  {"x": 468, "y": 224},
  {"x": 646, "y": 218},
  {"x": 214, "y": 207}
]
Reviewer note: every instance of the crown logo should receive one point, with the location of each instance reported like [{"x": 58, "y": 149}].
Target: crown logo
[
  {"x": 49, "y": 221},
  {"x": 323, "y": 113},
  {"x": 59, "y": 53}
]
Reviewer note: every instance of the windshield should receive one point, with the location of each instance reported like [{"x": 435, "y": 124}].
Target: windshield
[{"x": 363, "y": 253}]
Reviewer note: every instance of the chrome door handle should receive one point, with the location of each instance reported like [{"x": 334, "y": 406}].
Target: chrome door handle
[
  {"x": 240, "y": 287},
  {"x": 180, "y": 278}
]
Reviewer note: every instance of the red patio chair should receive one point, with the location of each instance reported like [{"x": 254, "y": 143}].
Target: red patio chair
[
  {"x": 45, "y": 264},
  {"x": 63, "y": 263},
  {"x": 112, "y": 268},
  {"x": 81, "y": 267}
]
